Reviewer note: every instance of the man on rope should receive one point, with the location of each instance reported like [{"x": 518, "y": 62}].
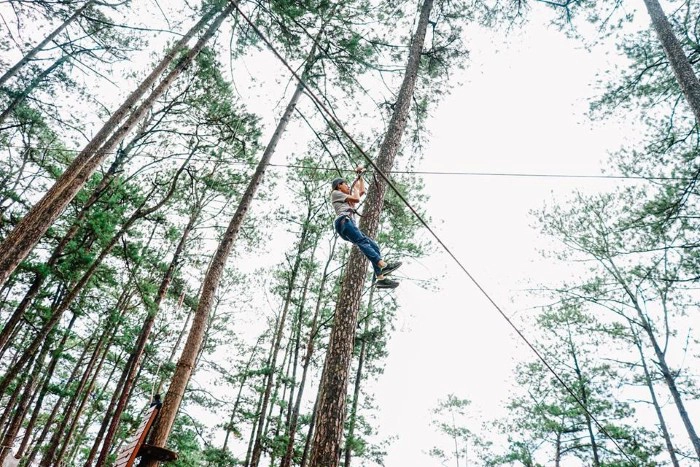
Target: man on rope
[{"x": 344, "y": 199}]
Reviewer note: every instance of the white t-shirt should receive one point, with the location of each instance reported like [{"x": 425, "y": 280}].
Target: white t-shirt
[{"x": 340, "y": 204}]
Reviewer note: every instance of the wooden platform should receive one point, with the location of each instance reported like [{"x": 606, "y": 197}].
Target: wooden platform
[{"x": 137, "y": 447}]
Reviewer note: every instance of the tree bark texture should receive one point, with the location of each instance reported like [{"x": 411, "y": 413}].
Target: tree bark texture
[
  {"x": 680, "y": 64},
  {"x": 328, "y": 430},
  {"x": 34, "y": 225}
]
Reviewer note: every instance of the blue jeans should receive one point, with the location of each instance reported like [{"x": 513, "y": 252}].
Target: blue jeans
[{"x": 349, "y": 232}]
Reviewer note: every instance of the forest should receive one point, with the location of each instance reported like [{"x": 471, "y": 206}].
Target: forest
[{"x": 167, "y": 240}]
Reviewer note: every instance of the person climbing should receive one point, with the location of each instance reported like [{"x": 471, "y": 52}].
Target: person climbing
[{"x": 344, "y": 199}]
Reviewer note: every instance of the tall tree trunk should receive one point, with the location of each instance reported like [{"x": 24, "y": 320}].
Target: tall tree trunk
[
  {"x": 15, "y": 422},
  {"x": 106, "y": 419},
  {"x": 680, "y": 65},
  {"x": 298, "y": 327},
  {"x": 59, "y": 403},
  {"x": 53, "y": 453},
  {"x": 666, "y": 372},
  {"x": 670, "y": 380},
  {"x": 253, "y": 431},
  {"x": 67, "y": 437},
  {"x": 313, "y": 329},
  {"x": 234, "y": 410},
  {"x": 40, "y": 46},
  {"x": 309, "y": 436},
  {"x": 185, "y": 365},
  {"x": 134, "y": 362},
  {"x": 106, "y": 414},
  {"x": 582, "y": 383},
  {"x": 32, "y": 227},
  {"x": 356, "y": 395},
  {"x": 28, "y": 394},
  {"x": 176, "y": 345},
  {"x": 334, "y": 380},
  {"x": 47, "y": 374}
]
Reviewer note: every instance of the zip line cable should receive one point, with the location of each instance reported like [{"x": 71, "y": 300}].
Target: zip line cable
[
  {"x": 313, "y": 96},
  {"x": 467, "y": 173}
]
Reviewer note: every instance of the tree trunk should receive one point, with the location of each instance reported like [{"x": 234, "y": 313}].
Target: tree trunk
[
  {"x": 105, "y": 421},
  {"x": 334, "y": 380},
  {"x": 53, "y": 452},
  {"x": 234, "y": 410},
  {"x": 657, "y": 408},
  {"x": 666, "y": 372},
  {"x": 59, "y": 403},
  {"x": 47, "y": 374},
  {"x": 70, "y": 431},
  {"x": 39, "y": 47},
  {"x": 254, "y": 429},
  {"x": 25, "y": 400},
  {"x": 584, "y": 400},
  {"x": 32, "y": 227},
  {"x": 356, "y": 395},
  {"x": 671, "y": 383},
  {"x": 309, "y": 436},
  {"x": 185, "y": 365},
  {"x": 21, "y": 96},
  {"x": 680, "y": 65},
  {"x": 40, "y": 278},
  {"x": 176, "y": 345}
]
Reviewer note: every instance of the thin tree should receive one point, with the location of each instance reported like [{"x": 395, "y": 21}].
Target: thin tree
[{"x": 41, "y": 45}]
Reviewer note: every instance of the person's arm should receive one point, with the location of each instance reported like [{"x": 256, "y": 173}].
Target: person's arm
[{"x": 358, "y": 186}]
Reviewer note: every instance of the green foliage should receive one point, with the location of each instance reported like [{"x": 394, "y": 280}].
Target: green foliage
[
  {"x": 184, "y": 439},
  {"x": 451, "y": 419}
]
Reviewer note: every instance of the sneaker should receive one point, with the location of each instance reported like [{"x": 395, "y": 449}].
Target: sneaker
[
  {"x": 391, "y": 267},
  {"x": 386, "y": 284}
]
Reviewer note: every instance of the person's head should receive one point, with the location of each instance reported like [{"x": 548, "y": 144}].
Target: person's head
[{"x": 340, "y": 184}]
